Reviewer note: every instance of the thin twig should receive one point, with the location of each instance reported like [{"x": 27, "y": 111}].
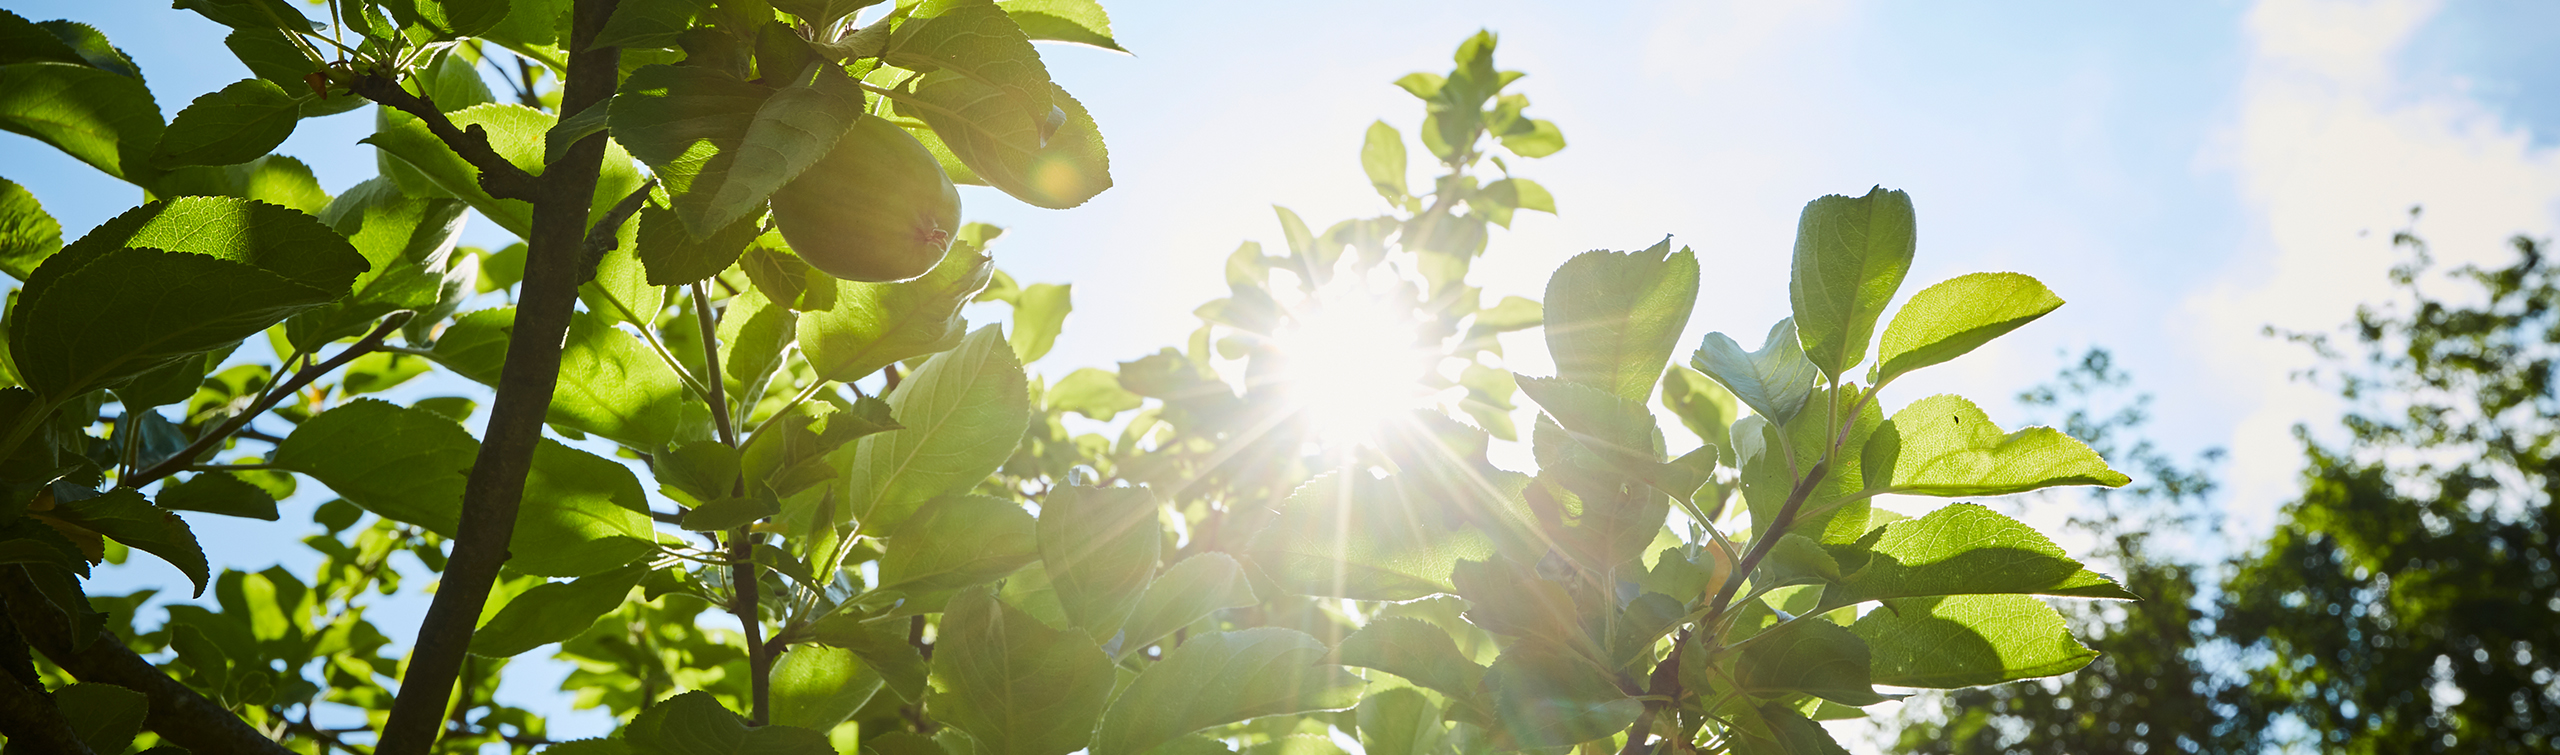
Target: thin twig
[
  {"x": 500, "y": 178},
  {"x": 275, "y": 394}
]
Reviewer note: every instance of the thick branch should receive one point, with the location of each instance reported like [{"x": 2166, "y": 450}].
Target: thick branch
[
  {"x": 500, "y": 178},
  {"x": 177, "y": 712},
  {"x": 525, "y": 385},
  {"x": 30, "y": 720},
  {"x": 213, "y": 438}
]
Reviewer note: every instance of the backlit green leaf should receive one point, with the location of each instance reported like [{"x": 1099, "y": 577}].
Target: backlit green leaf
[
  {"x": 1945, "y": 446},
  {"x": 1015, "y": 685},
  {"x": 610, "y": 384},
  {"x": 1355, "y": 536},
  {"x": 1703, "y": 406},
  {"x": 27, "y": 233},
  {"x": 1956, "y": 316},
  {"x": 874, "y": 325},
  {"x": 1416, "y": 650},
  {"x": 1812, "y": 656},
  {"x": 1401, "y": 721},
  {"x": 1078, "y": 21},
  {"x": 218, "y": 493},
  {"x": 104, "y": 716},
  {"x": 964, "y": 412},
  {"x": 410, "y": 243},
  {"x": 955, "y": 541},
  {"x": 721, "y": 145},
  {"x": 1220, "y": 678},
  {"x": 1968, "y": 641},
  {"x": 1187, "y": 592},
  {"x": 234, "y": 125},
  {"x": 1382, "y": 156},
  {"x": 554, "y": 612},
  {"x": 1038, "y": 314},
  {"x": 997, "y": 146},
  {"x": 1613, "y": 319},
  {"x": 1772, "y": 381},
  {"x": 1966, "y": 549},
  {"x": 1100, "y": 547},
  {"x": 649, "y": 23},
  {"x": 1851, "y": 254},
  {"x": 1092, "y": 392},
  {"x": 694, "y": 723},
  {"x": 674, "y": 257},
  {"x": 166, "y": 281},
  {"x": 1546, "y": 696},
  {"x": 817, "y": 687},
  {"x": 104, "y": 119}
]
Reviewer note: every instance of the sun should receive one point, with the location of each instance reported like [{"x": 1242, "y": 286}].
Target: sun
[{"x": 1352, "y": 361}]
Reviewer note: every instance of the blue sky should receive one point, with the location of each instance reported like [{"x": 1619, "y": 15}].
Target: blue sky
[{"x": 2183, "y": 173}]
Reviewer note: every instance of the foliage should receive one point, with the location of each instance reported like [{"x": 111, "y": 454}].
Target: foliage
[
  {"x": 921, "y": 551},
  {"x": 2403, "y": 603}
]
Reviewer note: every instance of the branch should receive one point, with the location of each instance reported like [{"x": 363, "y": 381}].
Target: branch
[
  {"x": 500, "y": 178},
  {"x": 1768, "y": 539},
  {"x": 275, "y": 395},
  {"x": 30, "y": 720},
  {"x": 525, "y": 386},
  {"x": 177, "y": 712},
  {"x": 602, "y": 237}
]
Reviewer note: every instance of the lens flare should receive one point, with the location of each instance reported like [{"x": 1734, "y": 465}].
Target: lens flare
[{"x": 1352, "y": 362}]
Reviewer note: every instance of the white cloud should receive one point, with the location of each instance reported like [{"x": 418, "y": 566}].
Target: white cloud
[{"x": 2330, "y": 146}]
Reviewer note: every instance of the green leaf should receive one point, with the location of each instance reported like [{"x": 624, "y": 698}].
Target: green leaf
[
  {"x": 1703, "y": 406},
  {"x": 1221, "y": 678},
  {"x": 584, "y": 514},
  {"x": 728, "y": 513},
  {"x": 410, "y": 243},
  {"x": 693, "y": 723},
  {"x": 274, "y": 179},
  {"x": 610, "y": 384},
  {"x": 1015, "y": 685},
  {"x": 978, "y": 41},
  {"x": 451, "y": 19},
  {"x": 721, "y": 145},
  {"x": 218, "y": 493},
  {"x": 104, "y": 119},
  {"x": 1546, "y": 696},
  {"x": 1956, "y": 316},
  {"x": 516, "y": 133},
  {"x": 1056, "y": 167},
  {"x": 1401, "y": 721},
  {"x": 249, "y": 14},
  {"x": 1851, "y": 254},
  {"x": 23, "y": 41},
  {"x": 1416, "y": 650},
  {"x": 554, "y": 612},
  {"x": 1772, "y": 381},
  {"x": 1382, "y": 156},
  {"x": 705, "y": 470},
  {"x": 28, "y": 234},
  {"x": 1968, "y": 641},
  {"x": 1506, "y": 598},
  {"x": 1079, "y": 21},
  {"x": 956, "y": 541},
  {"x": 122, "y": 514},
  {"x": 1092, "y": 392},
  {"x": 1812, "y": 656},
  {"x": 1783, "y": 731},
  {"x": 1945, "y": 446},
  {"x": 104, "y": 716},
  {"x": 817, "y": 687},
  {"x": 649, "y": 23},
  {"x": 1613, "y": 319},
  {"x": 1099, "y": 546},
  {"x": 874, "y": 325},
  {"x": 234, "y": 125},
  {"x": 1966, "y": 549},
  {"x": 674, "y": 257},
  {"x": 753, "y": 333},
  {"x": 964, "y": 412},
  {"x": 880, "y": 643},
  {"x": 166, "y": 281},
  {"x": 1038, "y": 314},
  {"x": 409, "y": 465},
  {"x": 1355, "y": 536},
  {"x": 1187, "y": 592},
  {"x": 1836, "y": 511}
]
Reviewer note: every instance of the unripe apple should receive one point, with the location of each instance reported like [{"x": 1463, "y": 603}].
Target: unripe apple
[{"x": 877, "y": 208}]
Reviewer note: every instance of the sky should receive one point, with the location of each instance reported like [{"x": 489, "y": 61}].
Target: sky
[{"x": 2185, "y": 174}]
